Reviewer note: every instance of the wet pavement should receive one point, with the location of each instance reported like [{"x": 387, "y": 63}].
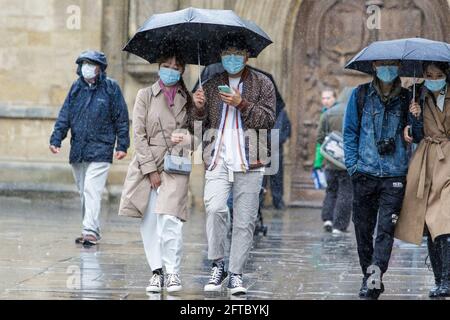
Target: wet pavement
[{"x": 296, "y": 260}]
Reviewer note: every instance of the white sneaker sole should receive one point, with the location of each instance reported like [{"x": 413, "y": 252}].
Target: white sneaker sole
[
  {"x": 152, "y": 289},
  {"x": 212, "y": 288},
  {"x": 172, "y": 289},
  {"x": 239, "y": 290}
]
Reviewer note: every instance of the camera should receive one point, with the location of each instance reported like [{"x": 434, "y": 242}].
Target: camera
[{"x": 386, "y": 146}]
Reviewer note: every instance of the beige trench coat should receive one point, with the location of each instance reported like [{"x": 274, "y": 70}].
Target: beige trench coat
[
  {"x": 150, "y": 149},
  {"x": 427, "y": 198}
]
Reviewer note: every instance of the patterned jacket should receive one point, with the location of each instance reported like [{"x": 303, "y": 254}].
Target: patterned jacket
[{"x": 257, "y": 112}]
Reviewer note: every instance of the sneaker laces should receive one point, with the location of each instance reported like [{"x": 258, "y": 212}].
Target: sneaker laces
[
  {"x": 216, "y": 274},
  {"x": 173, "y": 279},
  {"x": 236, "y": 280},
  {"x": 155, "y": 280}
]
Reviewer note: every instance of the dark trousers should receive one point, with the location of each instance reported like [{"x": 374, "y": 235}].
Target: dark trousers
[
  {"x": 276, "y": 186},
  {"x": 376, "y": 199},
  {"x": 337, "y": 206}
]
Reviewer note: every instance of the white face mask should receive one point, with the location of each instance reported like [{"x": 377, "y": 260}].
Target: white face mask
[{"x": 88, "y": 71}]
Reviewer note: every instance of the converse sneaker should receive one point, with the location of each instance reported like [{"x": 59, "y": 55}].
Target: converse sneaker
[
  {"x": 173, "y": 283},
  {"x": 90, "y": 240},
  {"x": 79, "y": 240},
  {"x": 235, "y": 285},
  {"x": 218, "y": 276},
  {"x": 328, "y": 226},
  {"x": 156, "y": 283}
]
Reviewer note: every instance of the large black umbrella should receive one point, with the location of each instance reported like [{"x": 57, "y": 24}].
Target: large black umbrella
[
  {"x": 196, "y": 33},
  {"x": 411, "y": 52}
]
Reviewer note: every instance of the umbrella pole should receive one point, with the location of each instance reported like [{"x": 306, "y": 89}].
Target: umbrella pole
[{"x": 199, "y": 75}]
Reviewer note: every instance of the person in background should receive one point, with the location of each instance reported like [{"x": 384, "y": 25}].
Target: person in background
[
  {"x": 329, "y": 99},
  {"x": 96, "y": 114},
  {"x": 337, "y": 205}
]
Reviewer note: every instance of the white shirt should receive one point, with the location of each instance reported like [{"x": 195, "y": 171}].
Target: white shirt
[
  {"x": 233, "y": 151},
  {"x": 440, "y": 101}
]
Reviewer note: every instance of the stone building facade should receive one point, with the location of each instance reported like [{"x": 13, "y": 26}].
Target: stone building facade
[{"x": 313, "y": 39}]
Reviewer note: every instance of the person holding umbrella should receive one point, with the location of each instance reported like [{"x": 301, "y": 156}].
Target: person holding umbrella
[
  {"x": 377, "y": 161},
  {"x": 247, "y": 104},
  {"x": 161, "y": 112},
  {"x": 233, "y": 165},
  {"x": 427, "y": 199}
]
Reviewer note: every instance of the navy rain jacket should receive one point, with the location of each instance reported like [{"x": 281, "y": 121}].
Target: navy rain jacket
[{"x": 96, "y": 115}]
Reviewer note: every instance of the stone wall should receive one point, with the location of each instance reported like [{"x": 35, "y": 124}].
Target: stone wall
[{"x": 40, "y": 42}]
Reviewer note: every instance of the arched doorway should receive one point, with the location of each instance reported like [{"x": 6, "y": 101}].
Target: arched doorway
[{"x": 327, "y": 34}]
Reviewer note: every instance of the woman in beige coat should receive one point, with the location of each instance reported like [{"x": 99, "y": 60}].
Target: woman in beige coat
[
  {"x": 161, "y": 113},
  {"x": 427, "y": 198}
]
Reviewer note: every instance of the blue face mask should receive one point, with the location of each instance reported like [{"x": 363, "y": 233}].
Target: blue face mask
[
  {"x": 387, "y": 74},
  {"x": 169, "y": 76},
  {"x": 233, "y": 64},
  {"x": 435, "y": 85}
]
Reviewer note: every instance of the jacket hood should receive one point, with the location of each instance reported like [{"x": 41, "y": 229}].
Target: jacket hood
[{"x": 96, "y": 57}]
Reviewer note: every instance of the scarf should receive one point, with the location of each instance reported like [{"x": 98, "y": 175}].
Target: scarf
[{"x": 169, "y": 92}]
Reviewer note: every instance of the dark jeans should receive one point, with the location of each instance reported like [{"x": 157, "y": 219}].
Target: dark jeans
[
  {"x": 376, "y": 199},
  {"x": 337, "y": 206}
]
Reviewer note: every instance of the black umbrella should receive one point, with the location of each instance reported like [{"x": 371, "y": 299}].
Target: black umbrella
[
  {"x": 411, "y": 52},
  {"x": 196, "y": 33}
]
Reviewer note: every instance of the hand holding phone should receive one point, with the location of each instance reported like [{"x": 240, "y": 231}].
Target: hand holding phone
[{"x": 226, "y": 89}]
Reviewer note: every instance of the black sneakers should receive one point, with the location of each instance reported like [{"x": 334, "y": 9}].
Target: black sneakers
[
  {"x": 371, "y": 291},
  {"x": 217, "y": 278},
  {"x": 374, "y": 294},
  {"x": 363, "y": 290},
  {"x": 156, "y": 283},
  {"x": 328, "y": 226},
  {"x": 173, "y": 283},
  {"x": 235, "y": 285}
]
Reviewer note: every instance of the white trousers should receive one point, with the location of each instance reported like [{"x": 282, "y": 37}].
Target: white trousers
[
  {"x": 162, "y": 236},
  {"x": 90, "y": 178}
]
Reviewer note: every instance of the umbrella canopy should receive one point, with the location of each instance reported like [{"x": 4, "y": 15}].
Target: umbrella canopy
[
  {"x": 197, "y": 35},
  {"x": 412, "y": 53}
]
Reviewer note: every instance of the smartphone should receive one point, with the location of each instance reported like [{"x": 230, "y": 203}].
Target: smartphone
[{"x": 225, "y": 89}]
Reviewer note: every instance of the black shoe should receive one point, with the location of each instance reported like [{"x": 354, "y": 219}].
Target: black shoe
[
  {"x": 217, "y": 278},
  {"x": 374, "y": 294},
  {"x": 79, "y": 240},
  {"x": 156, "y": 283},
  {"x": 363, "y": 290},
  {"x": 328, "y": 226},
  {"x": 90, "y": 240},
  {"x": 235, "y": 285},
  {"x": 444, "y": 289},
  {"x": 375, "y": 287},
  {"x": 444, "y": 252},
  {"x": 436, "y": 265},
  {"x": 434, "y": 293}
]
